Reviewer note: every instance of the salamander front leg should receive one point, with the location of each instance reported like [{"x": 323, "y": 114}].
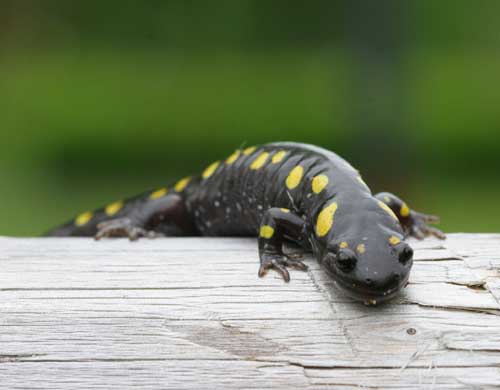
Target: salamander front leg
[
  {"x": 279, "y": 225},
  {"x": 414, "y": 224}
]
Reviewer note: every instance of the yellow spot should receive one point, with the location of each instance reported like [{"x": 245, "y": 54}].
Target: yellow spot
[
  {"x": 388, "y": 210},
  {"x": 278, "y": 157},
  {"x": 294, "y": 177},
  {"x": 266, "y": 231},
  {"x": 83, "y": 218},
  {"x": 361, "y": 248},
  {"x": 259, "y": 161},
  {"x": 387, "y": 199},
  {"x": 285, "y": 210},
  {"x": 233, "y": 157},
  {"x": 344, "y": 244},
  {"x": 181, "y": 184},
  {"x": 393, "y": 240},
  {"x": 113, "y": 208},
  {"x": 158, "y": 193},
  {"x": 325, "y": 219},
  {"x": 360, "y": 179},
  {"x": 209, "y": 171},
  {"x": 319, "y": 183},
  {"x": 249, "y": 150},
  {"x": 405, "y": 210}
]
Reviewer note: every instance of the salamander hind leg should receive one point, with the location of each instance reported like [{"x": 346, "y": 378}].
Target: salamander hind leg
[
  {"x": 277, "y": 226},
  {"x": 124, "y": 227},
  {"x": 415, "y": 224},
  {"x": 158, "y": 217}
]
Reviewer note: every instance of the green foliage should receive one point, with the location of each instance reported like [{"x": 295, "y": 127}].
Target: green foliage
[{"x": 102, "y": 100}]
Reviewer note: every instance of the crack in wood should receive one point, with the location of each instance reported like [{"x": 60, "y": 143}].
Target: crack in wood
[
  {"x": 326, "y": 296},
  {"x": 10, "y": 358}
]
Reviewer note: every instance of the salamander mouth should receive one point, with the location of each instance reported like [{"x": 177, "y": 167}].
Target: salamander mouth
[{"x": 369, "y": 297}]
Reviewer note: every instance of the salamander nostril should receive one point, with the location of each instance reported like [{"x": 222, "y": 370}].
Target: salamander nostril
[
  {"x": 396, "y": 277},
  {"x": 368, "y": 281}
]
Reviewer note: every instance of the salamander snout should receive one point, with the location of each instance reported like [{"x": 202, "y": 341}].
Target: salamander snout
[{"x": 382, "y": 284}]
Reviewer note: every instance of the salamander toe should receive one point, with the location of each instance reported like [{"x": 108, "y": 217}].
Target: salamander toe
[
  {"x": 280, "y": 263},
  {"x": 419, "y": 228},
  {"x": 123, "y": 227}
]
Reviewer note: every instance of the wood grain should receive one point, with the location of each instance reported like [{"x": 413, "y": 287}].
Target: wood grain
[{"x": 187, "y": 313}]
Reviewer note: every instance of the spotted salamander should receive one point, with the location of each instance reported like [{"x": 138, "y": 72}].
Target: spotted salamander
[{"x": 281, "y": 192}]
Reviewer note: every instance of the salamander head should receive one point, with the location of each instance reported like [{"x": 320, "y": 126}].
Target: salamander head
[{"x": 370, "y": 268}]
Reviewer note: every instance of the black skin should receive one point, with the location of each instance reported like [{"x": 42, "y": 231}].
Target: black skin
[{"x": 363, "y": 250}]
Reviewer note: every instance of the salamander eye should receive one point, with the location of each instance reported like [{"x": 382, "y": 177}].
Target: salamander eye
[
  {"x": 405, "y": 254},
  {"x": 329, "y": 260},
  {"x": 346, "y": 260}
]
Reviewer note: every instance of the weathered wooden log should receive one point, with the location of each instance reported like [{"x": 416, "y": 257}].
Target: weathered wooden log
[{"x": 187, "y": 313}]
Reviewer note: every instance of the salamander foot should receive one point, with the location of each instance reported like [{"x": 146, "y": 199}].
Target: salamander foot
[
  {"x": 418, "y": 226},
  {"x": 123, "y": 227},
  {"x": 279, "y": 264},
  {"x": 414, "y": 224}
]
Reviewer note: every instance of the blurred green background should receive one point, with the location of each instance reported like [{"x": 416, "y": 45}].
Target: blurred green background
[{"x": 104, "y": 99}]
